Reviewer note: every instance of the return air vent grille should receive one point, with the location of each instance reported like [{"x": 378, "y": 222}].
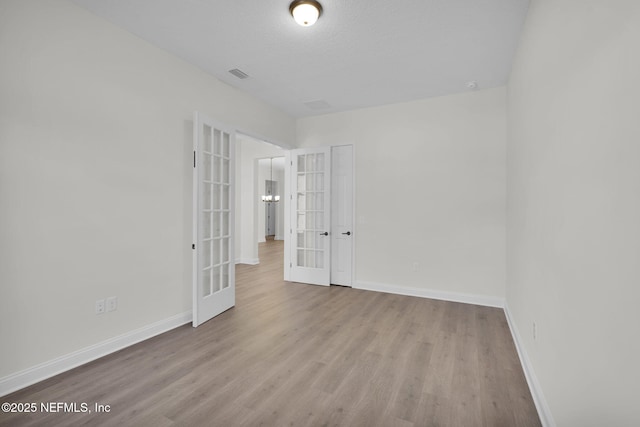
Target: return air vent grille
[{"x": 239, "y": 73}]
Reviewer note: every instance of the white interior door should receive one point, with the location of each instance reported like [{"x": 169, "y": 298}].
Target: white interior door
[
  {"x": 310, "y": 216},
  {"x": 213, "y": 221},
  {"x": 342, "y": 215}
]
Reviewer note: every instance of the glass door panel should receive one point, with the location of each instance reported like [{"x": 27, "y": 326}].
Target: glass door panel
[{"x": 310, "y": 213}]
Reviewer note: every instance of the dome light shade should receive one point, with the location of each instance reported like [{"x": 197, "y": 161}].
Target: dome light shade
[{"x": 305, "y": 12}]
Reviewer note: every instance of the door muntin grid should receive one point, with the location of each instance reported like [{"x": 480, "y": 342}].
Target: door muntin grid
[
  {"x": 309, "y": 240},
  {"x": 215, "y": 208}
]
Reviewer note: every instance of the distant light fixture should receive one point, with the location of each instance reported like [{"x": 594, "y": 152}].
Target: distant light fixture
[
  {"x": 472, "y": 85},
  {"x": 305, "y": 12},
  {"x": 269, "y": 198}
]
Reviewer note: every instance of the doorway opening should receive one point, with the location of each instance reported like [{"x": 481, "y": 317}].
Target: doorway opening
[
  {"x": 304, "y": 197},
  {"x": 271, "y": 189},
  {"x": 259, "y": 173}
]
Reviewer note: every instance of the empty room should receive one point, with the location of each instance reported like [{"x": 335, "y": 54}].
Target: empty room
[{"x": 320, "y": 213}]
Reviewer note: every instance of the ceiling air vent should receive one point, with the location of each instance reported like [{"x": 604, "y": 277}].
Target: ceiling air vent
[{"x": 239, "y": 73}]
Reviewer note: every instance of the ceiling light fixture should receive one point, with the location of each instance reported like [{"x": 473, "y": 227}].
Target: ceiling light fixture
[{"x": 305, "y": 12}]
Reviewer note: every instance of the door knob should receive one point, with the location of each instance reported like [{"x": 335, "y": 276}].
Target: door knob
[
  {"x": 348, "y": 233},
  {"x": 324, "y": 234}
]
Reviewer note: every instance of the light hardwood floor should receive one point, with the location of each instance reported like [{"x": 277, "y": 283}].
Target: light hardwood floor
[{"x": 291, "y": 354}]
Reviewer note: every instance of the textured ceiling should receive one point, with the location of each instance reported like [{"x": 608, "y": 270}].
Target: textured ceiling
[{"x": 360, "y": 53}]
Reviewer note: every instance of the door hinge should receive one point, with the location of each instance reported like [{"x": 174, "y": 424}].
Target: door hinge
[
  {"x": 193, "y": 246},
  {"x": 290, "y": 264},
  {"x": 194, "y": 159}
]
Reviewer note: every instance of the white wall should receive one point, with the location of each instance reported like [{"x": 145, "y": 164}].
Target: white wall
[
  {"x": 95, "y": 177},
  {"x": 430, "y": 189},
  {"x": 249, "y": 150},
  {"x": 574, "y": 207}
]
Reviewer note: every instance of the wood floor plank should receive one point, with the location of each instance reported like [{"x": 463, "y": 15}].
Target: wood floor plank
[{"x": 291, "y": 354}]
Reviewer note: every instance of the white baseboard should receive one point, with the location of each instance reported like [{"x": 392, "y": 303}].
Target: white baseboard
[
  {"x": 534, "y": 386},
  {"x": 433, "y": 294},
  {"x": 45, "y": 370},
  {"x": 250, "y": 261},
  {"x": 278, "y": 238}
]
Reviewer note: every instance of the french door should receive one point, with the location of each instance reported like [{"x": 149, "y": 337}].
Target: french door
[
  {"x": 213, "y": 220},
  {"x": 310, "y": 216}
]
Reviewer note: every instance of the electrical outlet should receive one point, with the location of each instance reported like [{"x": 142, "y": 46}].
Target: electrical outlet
[
  {"x": 535, "y": 331},
  {"x": 112, "y": 303},
  {"x": 415, "y": 266},
  {"x": 99, "y": 306}
]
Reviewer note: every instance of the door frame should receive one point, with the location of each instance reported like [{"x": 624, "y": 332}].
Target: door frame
[{"x": 241, "y": 209}]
